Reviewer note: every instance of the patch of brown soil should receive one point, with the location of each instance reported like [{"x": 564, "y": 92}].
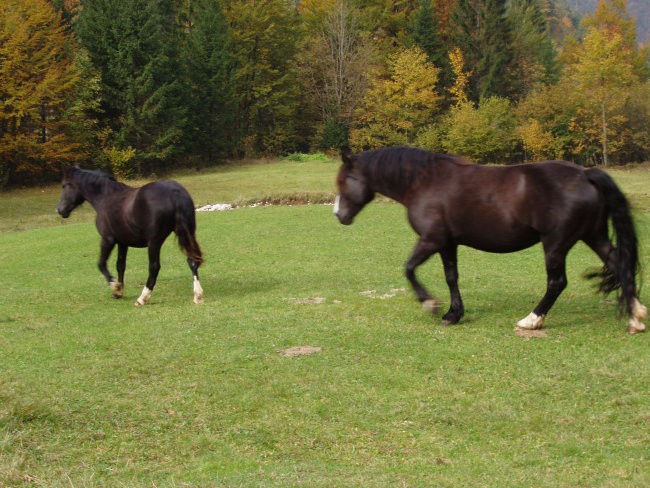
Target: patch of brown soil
[
  {"x": 300, "y": 351},
  {"x": 528, "y": 334},
  {"x": 298, "y": 301}
]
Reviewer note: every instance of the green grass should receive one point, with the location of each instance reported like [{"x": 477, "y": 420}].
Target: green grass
[
  {"x": 238, "y": 184},
  {"x": 95, "y": 392}
]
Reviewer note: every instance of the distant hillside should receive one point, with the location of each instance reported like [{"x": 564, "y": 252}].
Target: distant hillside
[{"x": 639, "y": 9}]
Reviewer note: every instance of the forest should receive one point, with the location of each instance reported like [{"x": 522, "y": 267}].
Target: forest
[{"x": 141, "y": 87}]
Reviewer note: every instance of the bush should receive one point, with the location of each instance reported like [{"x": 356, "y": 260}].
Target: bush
[
  {"x": 120, "y": 161},
  {"x": 485, "y": 134}
]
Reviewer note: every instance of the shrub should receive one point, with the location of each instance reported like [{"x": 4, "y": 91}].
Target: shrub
[{"x": 484, "y": 134}]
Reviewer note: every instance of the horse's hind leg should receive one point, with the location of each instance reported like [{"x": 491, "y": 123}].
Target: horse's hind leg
[
  {"x": 456, "y": 311},
  {"x": 423, "y": 251},
  {"x": 198, "y": 290},
  {"x": 154, "y": 268},
  {"x": 606, "y": 251},
  {"x": 556, "y": 282}
]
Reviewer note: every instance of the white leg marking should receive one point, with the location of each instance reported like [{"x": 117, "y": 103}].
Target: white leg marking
[
  {"x": 532, "y": 322},
  {"x": 198, "y": 291},
  {"x": 336, "y": 204},
  {"x": 430, "y": 305},
  {"x": 144, "y": 297},
  {"x": 639, "y": 310}
]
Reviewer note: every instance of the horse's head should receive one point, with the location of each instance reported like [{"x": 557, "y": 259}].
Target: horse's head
[
  {"x": 354, "y": 192},
  {"x": 71, "y": 196}
]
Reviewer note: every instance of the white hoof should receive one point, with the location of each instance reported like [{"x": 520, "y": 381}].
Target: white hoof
[
  {"x": 143, "y": 298},
  {"x": 532, "y": 322},
  {"x": 639, "y": 310},
  {"x": 431, "y": 305},
  {"x": 635, "y": 326}
]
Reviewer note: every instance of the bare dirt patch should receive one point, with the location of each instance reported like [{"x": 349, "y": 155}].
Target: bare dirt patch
[
  {"x": 298, "y": 301},
  {"x": 300, "y": 351},
  {"x": 530, "y": 334},
  {"x": 390, "y": 294}
]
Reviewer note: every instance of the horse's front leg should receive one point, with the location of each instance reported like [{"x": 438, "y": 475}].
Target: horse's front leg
[
  {"x": 154, "y": 268},
  {"x": 105, "y": 248},
  {"x": 423, "y": 251},
  {"x": 456, "y": 311},
  {"x": 556, "y": 282},
  {"x": 118, "y": 286}
]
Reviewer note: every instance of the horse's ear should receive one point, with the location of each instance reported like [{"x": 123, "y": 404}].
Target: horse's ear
[{"x": 347, "y": 157}]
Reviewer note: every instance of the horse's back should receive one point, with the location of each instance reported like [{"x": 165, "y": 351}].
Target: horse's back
[{"x": 507, "y": 208}]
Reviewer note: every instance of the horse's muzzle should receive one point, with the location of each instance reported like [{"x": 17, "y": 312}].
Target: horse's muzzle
[
  {"x": 344, "y": 219},
  {"x": 63, "y": 212}
]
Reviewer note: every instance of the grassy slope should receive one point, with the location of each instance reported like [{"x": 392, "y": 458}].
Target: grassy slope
[
  {"x": 233, "y": 183},
  {"x": 94, "y": 392}
]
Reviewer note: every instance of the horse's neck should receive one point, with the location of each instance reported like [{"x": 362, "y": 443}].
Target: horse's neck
[
  {"x": 96, "y": 198},
  {"x": 402, "y": 190}
]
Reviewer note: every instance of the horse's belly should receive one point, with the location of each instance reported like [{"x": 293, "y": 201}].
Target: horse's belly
[{"x": 500, "y": 242}]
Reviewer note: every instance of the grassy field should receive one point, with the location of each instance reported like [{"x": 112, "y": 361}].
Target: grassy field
[{"x": 95, "y": 392}]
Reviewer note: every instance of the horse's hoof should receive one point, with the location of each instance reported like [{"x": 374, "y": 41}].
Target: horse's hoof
[
  {"x": 635, "y": 326},
  {"x": 117, "y": 288},
  {"x": 431, "y": 305},
  {"x": 532, "y": 322},
  {"x": 446, "y": 322},
  {"x": 198, "y": 300},
  {"x": 138, "y": 304}
]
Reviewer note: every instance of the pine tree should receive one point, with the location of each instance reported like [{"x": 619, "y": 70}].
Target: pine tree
[
  {"x": 483, "y": 34},
  {"x": 134, "y": 44},
  {"x": 212, "y": 104},
  {"x": 265, "y": 35},
  {"x": 533, "y": 49},
  {"x": 425, "y": 31}
]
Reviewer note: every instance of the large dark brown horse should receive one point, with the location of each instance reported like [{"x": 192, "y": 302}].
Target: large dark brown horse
[
  {"x": 451, "y": 202},
  {"x": 134, "y": 217}
]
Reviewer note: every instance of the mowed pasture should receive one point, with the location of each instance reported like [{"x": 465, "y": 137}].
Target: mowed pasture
[{"x": 96, "y": 392}]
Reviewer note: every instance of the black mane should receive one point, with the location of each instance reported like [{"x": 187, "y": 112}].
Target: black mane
[
  {"x": 401, "y": 167},
  {"x": 95, "y": 180}
]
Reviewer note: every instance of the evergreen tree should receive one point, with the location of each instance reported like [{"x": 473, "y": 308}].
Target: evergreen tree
[
  {"x": 425, "y": 32},
  {"x": 134, "y": 44},
  {"x": 212, "y": 105},
  {"x": 483, "y": 34},
  {"x": 533, "y": 49},
  {"x": 265, "y": 35}
]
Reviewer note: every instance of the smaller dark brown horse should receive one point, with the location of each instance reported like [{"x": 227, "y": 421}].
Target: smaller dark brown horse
[
  {"x": 451, "y": 202},
  {"x": 134, "y": 217}
]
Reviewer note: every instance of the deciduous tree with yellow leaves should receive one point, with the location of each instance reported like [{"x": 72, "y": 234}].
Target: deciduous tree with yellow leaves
[
  {"x": 37, "y": 79},
  {"x": 398, "y": 104}
]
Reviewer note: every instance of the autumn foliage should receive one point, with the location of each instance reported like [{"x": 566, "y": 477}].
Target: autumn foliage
[
  {"x": 38, "y": 79},
  {"x": 142, "y": 86}
]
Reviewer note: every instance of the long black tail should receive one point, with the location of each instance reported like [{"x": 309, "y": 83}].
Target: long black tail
[
  {"x": 186, "y": 227},
  {"x": 627, "y": 255}
]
